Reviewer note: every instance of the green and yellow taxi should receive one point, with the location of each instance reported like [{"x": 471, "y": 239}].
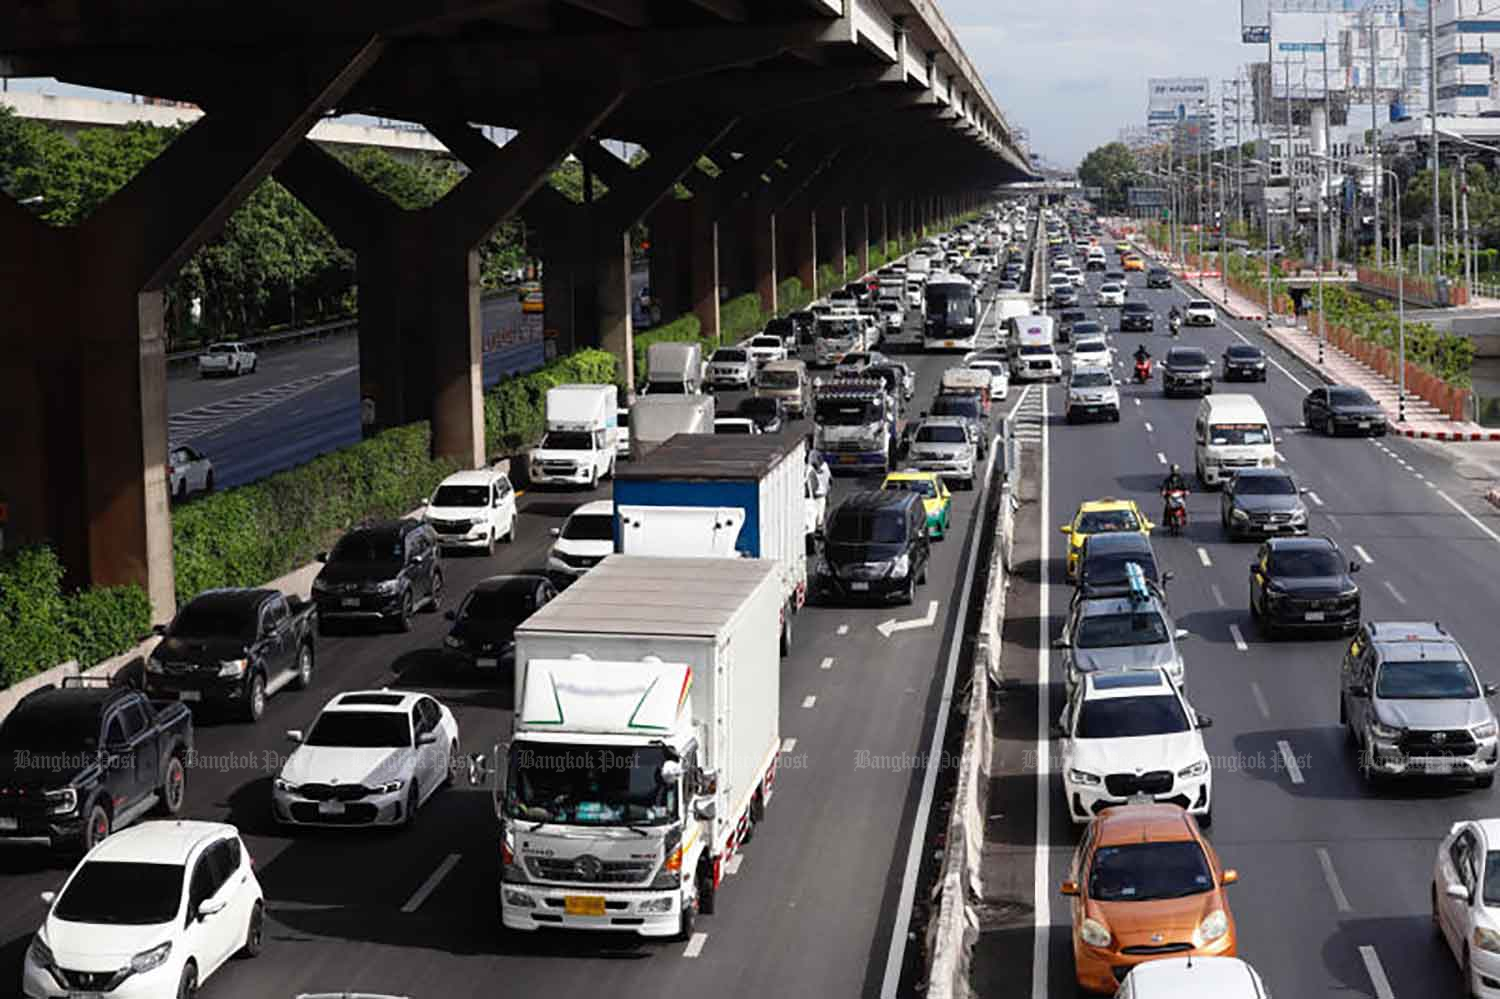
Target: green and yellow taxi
[
  {"x": 936, "y": 499},
  {"x": 1101, "y": 516}
]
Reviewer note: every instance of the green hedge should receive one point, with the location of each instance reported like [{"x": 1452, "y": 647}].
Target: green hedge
[
  {"x": 740, "y": 317},
  {"x": 255, "y": 533},
  {"x": 791, "y": 296},
  {"x": 1446, "y": 355},
  {"x": 41, "y": 625},
  {"x": 680, "y": 330}
]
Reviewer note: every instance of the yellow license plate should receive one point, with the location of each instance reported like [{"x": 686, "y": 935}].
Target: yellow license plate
[
  {"x": 583, "y": 905},
  {"x": 947, "y": 343}
]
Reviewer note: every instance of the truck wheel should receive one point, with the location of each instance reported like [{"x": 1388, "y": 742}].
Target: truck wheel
[
  {"x": 707, "y": 890},
  {"x": 173, "y": 787},
  {"x": 255, "y": 698},
  {"x": 96, "y": 827},
  {"x": 687, "y": 920},
  {"x": 304, "y": 668}
]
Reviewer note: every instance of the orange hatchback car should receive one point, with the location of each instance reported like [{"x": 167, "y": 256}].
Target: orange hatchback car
[{"x": 1145, "y": 884}]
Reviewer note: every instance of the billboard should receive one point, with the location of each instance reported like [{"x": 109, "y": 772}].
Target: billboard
[
  {"x": 1178, "y": 98},
  {"x": 1308, "y": 56},
  {"x": 1255, "y": 15}
]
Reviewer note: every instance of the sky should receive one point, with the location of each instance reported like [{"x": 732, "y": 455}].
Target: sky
[{"x": 1074, "y": 72}]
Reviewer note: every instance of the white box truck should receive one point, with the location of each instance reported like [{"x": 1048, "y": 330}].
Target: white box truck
[
  {"x": 643, "y": 747},
  {"x": 579, "y": 447},
  {"x": 656, "y": 419},
  {"x": 674, "y": 368},
  {"x": 701, "y": 496}
]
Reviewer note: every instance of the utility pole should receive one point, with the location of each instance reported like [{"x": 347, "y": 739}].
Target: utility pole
[
  {"x": 1458, "y": 247},
  {"x": 1375, "y": 177},
  {"x": 1239, "y": 150},
  {"x": 1437, "y": 201},
  {"x": 1292, "y": 197}
]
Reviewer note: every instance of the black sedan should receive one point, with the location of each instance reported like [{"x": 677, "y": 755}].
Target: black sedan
[
  {"x": 483, "y": 635},
  {"x": 1243, "y": 362},
  {"x": 1262, "y": 501},
  {"x": 1157, "y": 277},
  {"x": 1137, "y": 317},
  {"x": 1303, "y": 583},
  {"x": 1336, "y": 409},
  {"x": 768, "y": 412},
  {"x": 1187, "y": 370}
]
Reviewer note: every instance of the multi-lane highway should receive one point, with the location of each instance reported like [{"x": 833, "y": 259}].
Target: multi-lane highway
[
  {"x": 303, "y": 400},
  {"x": 1333, "y": 896},
  {"x": 808, "y": 911}
]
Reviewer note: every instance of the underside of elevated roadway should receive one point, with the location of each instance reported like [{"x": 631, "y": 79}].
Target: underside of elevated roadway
[{"x": 830, "y": 125}]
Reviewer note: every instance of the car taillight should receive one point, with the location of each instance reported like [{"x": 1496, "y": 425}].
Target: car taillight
[{"x": 506, "y": 856}]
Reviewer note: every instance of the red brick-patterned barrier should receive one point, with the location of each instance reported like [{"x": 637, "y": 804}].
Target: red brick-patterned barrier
[
  {"x": 1451, "y": 400},
  {"x": 1414, "y": 289}
]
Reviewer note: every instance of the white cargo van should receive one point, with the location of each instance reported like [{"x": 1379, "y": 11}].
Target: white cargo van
[
  {"x": 580, "y": 445},
  {"x": 1231, "y": 433}
]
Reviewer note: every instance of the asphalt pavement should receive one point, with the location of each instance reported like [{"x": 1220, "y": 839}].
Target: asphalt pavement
[
  {"x": 1334, "y": 876},
  {"x": 808, "y": 910}
]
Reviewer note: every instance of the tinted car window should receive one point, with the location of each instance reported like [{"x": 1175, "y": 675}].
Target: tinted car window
[
  {"x": 1306, "y": 563},
  {"x": 1426, "y": 679},
  {"x": 878, "y": 526},
  {"x": 1264, "y": 485},
  {"x": 1140, "y": 872},
  {"x": 129, "y": 894},
  {"x": 461, "y": 496},
  {"x": 590, "y": 527},
  {"x": 1187, "y": 358},
  {"x": 208, "y": 619},
  {"x": 1350, "y": 397},
  {"x": 369, "y": 546},
  {"x": 1130, "y": 717}
]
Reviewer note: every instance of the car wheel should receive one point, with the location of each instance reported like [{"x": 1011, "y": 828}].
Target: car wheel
[
  {"x": 435, "y": 599},
  {"x": 403, "y": 622},
  {"x": 453, "y": 759},
  {"x": 510, "y": 535},
  {"x": 173, "y": 788},
  {"x": 187, "y": 985},
  {"x": 304, "y": 668},
  {"x": 593, "y": 480},
  {"x": 96, "y": 828},
  {"x": 909, "y": 591},
  {"x": 255, "y": 698},
  {"x": 1206, "y": 820},
  {"x": 687, "y": 921},
  {"x": 1328, "y": 427},
  {"x": 208, "y": 482},
  {"x": 255, "y": 932}
]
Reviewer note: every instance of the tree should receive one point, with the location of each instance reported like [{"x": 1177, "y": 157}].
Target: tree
[{"x": 1112, "y": 168}]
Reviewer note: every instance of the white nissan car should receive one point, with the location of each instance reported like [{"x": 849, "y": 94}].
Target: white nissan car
[
  {"x": 473, "y": 510},
  {"x": 371, "y": 758},
  {"x": 151, "y": 911},
  {"x": 1132, "y": 736}
]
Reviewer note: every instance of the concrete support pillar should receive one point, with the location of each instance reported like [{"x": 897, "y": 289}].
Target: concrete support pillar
[
  {"x": 862, "y": 236},
  {"x": 885, "y": 228},
  {"x": 763, "y": 253},
  {"x": 669, "y": 264},
  {"x": 612, "y": 277},
  {"x": 801, "y": 243},
  {"x": 704, "y": 253},
  {"x": 841, "y": 232}
]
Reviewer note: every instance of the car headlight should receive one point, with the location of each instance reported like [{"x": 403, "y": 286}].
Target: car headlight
[
  {"x": 900, "y": 566},
  {"x": 1084, "y": 777},
  {"x": 1486, "y": 939},
  {"x": 1299, "y": 515},
  {"x": 1196, "y": 770},
  {"x": 285, "y": 786},
  {"x": 1238, "y": 514},
  {"x": 390, "y": 786},
  {"x": 452, "y": 642},
  {"x": 233, "y": 667},
  {"x": 153, "y": 665},
  {"x": 388, "y": 586},
  {"x": 148, "y": 959},
  {"x": 519, "y": 899},
  {"x": 656, "y": 905},
  {"x": 1094, "y": 933},
  {"x": 63, "y": 801},
  {"x": 1214, "y": 926},
  {"x": 1485, "y": 731},
  {"x": 1268, "y": 463},
  {"x": 40, "y": 954},
  {"x": 1380, "y": 731}
]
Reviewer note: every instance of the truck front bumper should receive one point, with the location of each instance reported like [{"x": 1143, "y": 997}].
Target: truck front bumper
[
  {"x": 205, "y": 687},
  {"x": 538, "y": 907},
  {"x": 578, "y": 475}
]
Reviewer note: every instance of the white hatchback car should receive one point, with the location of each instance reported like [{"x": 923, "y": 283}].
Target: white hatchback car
[
  {"x": 1199, "y": 312},
  {"x": 584, "y": 540},
  {"x": 371, "y": 758},
  {"x": 1465, "y": 905},
  {"x": 151, "y": 911},
  {"x": 1111, "y": 294},
  {"x": 473, "y": 510}
]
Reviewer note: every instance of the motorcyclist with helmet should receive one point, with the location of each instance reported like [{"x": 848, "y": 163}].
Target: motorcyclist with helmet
[{"x": 1174, "y": 482}]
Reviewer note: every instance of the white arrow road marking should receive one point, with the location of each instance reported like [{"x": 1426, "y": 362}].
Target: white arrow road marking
[
  {"x": 890, "y": 625},
  {"x": 843, "y": 629}
]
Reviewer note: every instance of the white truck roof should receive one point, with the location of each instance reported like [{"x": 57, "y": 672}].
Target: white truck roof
[{"x": 572, "y": 407}]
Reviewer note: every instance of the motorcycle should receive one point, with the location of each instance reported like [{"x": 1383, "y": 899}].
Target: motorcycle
[
  {"x": 1176, "y": 515},
  {"x": 1175, "y": 323},
  {"x": 1143, "y": 370}
]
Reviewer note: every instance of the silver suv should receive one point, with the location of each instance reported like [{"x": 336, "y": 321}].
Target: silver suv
[
  {"x": 1414, "y": 706},
  {"x": 945, "y": 445},
  {"x": 1126, "y": 628}
]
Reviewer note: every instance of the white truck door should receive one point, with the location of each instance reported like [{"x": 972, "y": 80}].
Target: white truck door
[{"x": 680, "y": 531}]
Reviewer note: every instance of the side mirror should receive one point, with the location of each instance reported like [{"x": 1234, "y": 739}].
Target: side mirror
[
  {"x": 209, "y": 907},
  {"x": 1066, "y": 529},
  {"x": 1458, "y": 891},
  {"x": 1491, "y": 689},
  {"x": 294, "y": 735},
  {"x": 159, "y": 629},
  {"x": 1182, "y": 633},
  {"x": 705, "y": 809},
  {"x": 1168, "y": 576},
  {"x": 1353, "y": 566},
  {"x": 425, "y": 500},
  {"x": 478, "y": 772},
  {"x": 1204, "y": 721},
  {"x": 1069, "y": 888},
  {"x": 1230, "y": 876},
  {"x": 1060, "y": 642},
  {"x": 322, "y": 556},
  {"x": 48, "y": 897},
  {"x": 555, "y": 531},
  {"x": 427, "y": 738},
  {"x": 669, "y": 773}
]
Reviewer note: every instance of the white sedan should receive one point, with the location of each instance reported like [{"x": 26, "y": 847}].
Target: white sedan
[
  {"x": 735, "y": 425},
  {"x": 151, "y": 911},
  {"x": 371, "y": 758},
  {"x": 188, "y": 472},
  {"x": 1199, "y": 312},
  {"x": 1466, "y": 902},
  {"x": 1111, "y": 294}
]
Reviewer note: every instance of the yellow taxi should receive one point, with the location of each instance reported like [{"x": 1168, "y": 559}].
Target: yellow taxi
[
  {"x": 937, "y": 501},
  {"x": 1102, "y": 516},
  {"x": 1134, "y": 263}
]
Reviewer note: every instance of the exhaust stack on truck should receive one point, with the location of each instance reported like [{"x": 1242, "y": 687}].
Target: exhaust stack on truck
[{"x": 644, "y": 748}]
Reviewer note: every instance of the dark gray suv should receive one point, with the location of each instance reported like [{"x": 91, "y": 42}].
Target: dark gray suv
[{"x": 1262, "y": 501}]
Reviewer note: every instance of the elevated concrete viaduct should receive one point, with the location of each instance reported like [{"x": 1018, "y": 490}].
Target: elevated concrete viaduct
[{"x": 829, "y": 124}]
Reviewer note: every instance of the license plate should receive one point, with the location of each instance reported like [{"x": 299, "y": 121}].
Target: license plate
[
  {"x": 859, "y": 586},
  {"x": 330, "y": 808},
  {"x": 583, "y": 905},
  {"x": 1314, "y": 616},
  {"x": 1364, "y": 424},
  {"x": 351, "y": 601},
  {"x": 486, "y": 663},
  {"x": 1434, "y": 766},
  {"x": 9, "y": 824},
  {"x": 190, "y": 695},
  {"x": 72, "y": 994},
  {"x": 847, "y": 459}
]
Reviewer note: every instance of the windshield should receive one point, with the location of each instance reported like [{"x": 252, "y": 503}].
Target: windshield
[
  {"x": 1091, "y": 379},
  {"x": 846, "y": 412},
  {"x": 1187, "y": 358},
  {"x": 368, "y": 546},
  {"x": 1141, "y": 872},
  {"x": 227, "y": 348},
  {"x": 1426, "y": 680},
  {"x": 1036, "y": 350},
  {"x": 1130, "y": 717},
  {"x": 1100, "y": 570},
  {"x": 729, "y": 357},
  {"x": 1349, "y": 397},
  {"x": 956, "y": 405},
  {"x": 588, "y": 785},
  {"x": 122, "y": 894},
  {"x": 1239, "y": 433},
  {"x": 1102, "y": 521},
  {"x": 1137, "y": 307},
  {"x": 950, "y": 304},
  {"x": 838, "y": 329},
  {"x": 461, "y": 496},
  {"x": 731, "y": 427},
  {"x": 1111, "y": 631},
  {"x": 885, "y": 527},
  {"x": 889, "y": 307},
  {"x": 1264, "y": 485},
  {"x": 1089, "y": 346},
  {"x": 941, "y": 434},
  {"x": 1306, "y": 563},
  {"x": 760, "y": 407},
  {"x": 590, "y": 527},
  {"x": 767, "y": 341},
  {"x": 568, "y": 440},
  {"x": 667, "y": 388},
  {"x": 922, "y": 487},
  {"x": 780, "y": 379},
  {"x": 1199, "y": 303},
  {"x": 1244, "y": 353},
  {"x": 39, "y": 728},
  {"x": 361, "y": 730},
  {"x": 215, "y": 620},
  {"x": 498, "y": 605}
]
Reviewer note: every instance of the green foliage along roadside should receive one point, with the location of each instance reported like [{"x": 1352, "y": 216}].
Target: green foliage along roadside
[{"x": 1446, "y": 355}]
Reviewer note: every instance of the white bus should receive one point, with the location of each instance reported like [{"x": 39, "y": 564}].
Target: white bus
[{"x": 952, "y": 314}]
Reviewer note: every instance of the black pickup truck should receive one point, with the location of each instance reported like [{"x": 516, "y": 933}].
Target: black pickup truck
[
  {"x": 233, "y": 648},
  {"x": 81, "y": 760}
]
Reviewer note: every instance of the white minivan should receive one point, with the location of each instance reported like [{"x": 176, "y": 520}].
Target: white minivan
[{"x": 1231, "y": 433}]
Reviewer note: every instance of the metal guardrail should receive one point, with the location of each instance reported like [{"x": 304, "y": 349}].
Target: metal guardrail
[{"x": 274, "y": 339}]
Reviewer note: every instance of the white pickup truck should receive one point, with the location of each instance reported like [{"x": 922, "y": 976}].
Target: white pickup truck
[{"x": 226, "y": 359}]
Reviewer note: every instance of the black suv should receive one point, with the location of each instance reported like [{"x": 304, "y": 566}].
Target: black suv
[
  {"x": 1065, "y": 321},
  {"x": 484, "y": 626},
  {"x": 1303, "y": 583},
  {"x": 876, "y": 546},
  {"x": 1137, "y": 317},
  {"x": 382, "y": 572},
  {"x": 1187, "y": 370},
  {"x": 1158, "y": 277},
  {"x": 1244, "y": 361}
]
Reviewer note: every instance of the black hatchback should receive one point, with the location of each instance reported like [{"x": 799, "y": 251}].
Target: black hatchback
[
  {"x": 876, "y": 547},
  {"x": 1303, "y": 584}
]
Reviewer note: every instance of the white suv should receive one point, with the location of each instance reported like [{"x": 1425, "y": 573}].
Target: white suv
[
  {"x": 473, "y": 510},
  {"x": 1131, "y": 735},
  {"x": 151, "y": 911},
  {"x": 1093, "y": 394},
  {"x": 1111, "y": 294},
  {"x": 1199, "y": 312},
  {"x": 1091, "y": 352}
]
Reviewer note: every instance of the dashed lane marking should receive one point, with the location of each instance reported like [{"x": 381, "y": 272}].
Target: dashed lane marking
[
  {"x": 200, "y": 421},
  {"x": 1394, "y": 592},
  {"x": 1331, "y": 876},
  {"x": 827, "y": 663},
  {"x": 1318, "y": 500},
  {"x": 1239, "y": 638},
  {"x": 1203, "y": 557},
  {"x": 695, "y": 945},
  {"x": 1289, "y": 760},
  {"x": 1373, "y": 968},
  {"x": 430, "y": 885},
  {"x": 1335, "y": 522},
  {"x": 843, "y": 629},
  {"x": 1360, "y": 551},
  {"x": 788, "y": 745},
  {"x": 1148, "y": 427},
  {"x": 809, "y": 701},
  {"x": 1218, "y": 594},
  {"x": 1260, "y": 699},
  {"x": 1161, "y": 458}
]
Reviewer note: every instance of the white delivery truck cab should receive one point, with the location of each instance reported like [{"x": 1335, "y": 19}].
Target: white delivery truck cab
[
  {"x": 1231, "y": 433},
  {"x": 579, "y": 447},
  {"x": 644, "y": 744},
  {"x": 656, "y": 419},
  {"x": 1034, "y": 355}
]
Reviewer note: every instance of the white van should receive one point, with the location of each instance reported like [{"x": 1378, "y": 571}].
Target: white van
[
  {"x": 580, "y": 445},
  {"x": 1193, "y": 978},
  {"x": 1231, "y": 433}
]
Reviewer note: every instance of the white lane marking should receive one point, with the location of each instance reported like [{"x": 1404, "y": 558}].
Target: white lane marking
[
  {"x": 1395, "y": 592},
  {"x": 809, "y": 701},
  {"x": 916, "y": 843},
  {"x": 1260, "y": 699},
  {"x": 1318, "y": 500},
  {"x": 843, "y": 629},
  {"x": 430, "y": 885},
  {"x": 1335, "y": 522},
  {"x": 1137, "y": 402},
  {"x": 1218, "y": 594},
  {"x": 1274, "y": 363},
  {"x": 1041, "y": 879},
  {"x": 1280, "y": 456},
  {"x": 1471, "y": 518},
  {"x": 891, "y": 625},
  {"x": 827, "y": 663},
  {"x": 733, "y": 865},
  {"x": 1421, "y": 477},
  {"x": 1239, "y": 638},
  {"x": 1360, "y": 551},
  {"x": 1431, "y": 485},
  {"x": 695, "y": 945},
  {"x": 1289, "y": 760},
  {"x": 1148, "y": 427},
  {"x": 1203, "y": 557},
  {"x": 1331, "y": 876},
  {"x": 1161, "y": 458},
  {"x": 788, "y": 745},
  {"x": 1376, "y": 972}
]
